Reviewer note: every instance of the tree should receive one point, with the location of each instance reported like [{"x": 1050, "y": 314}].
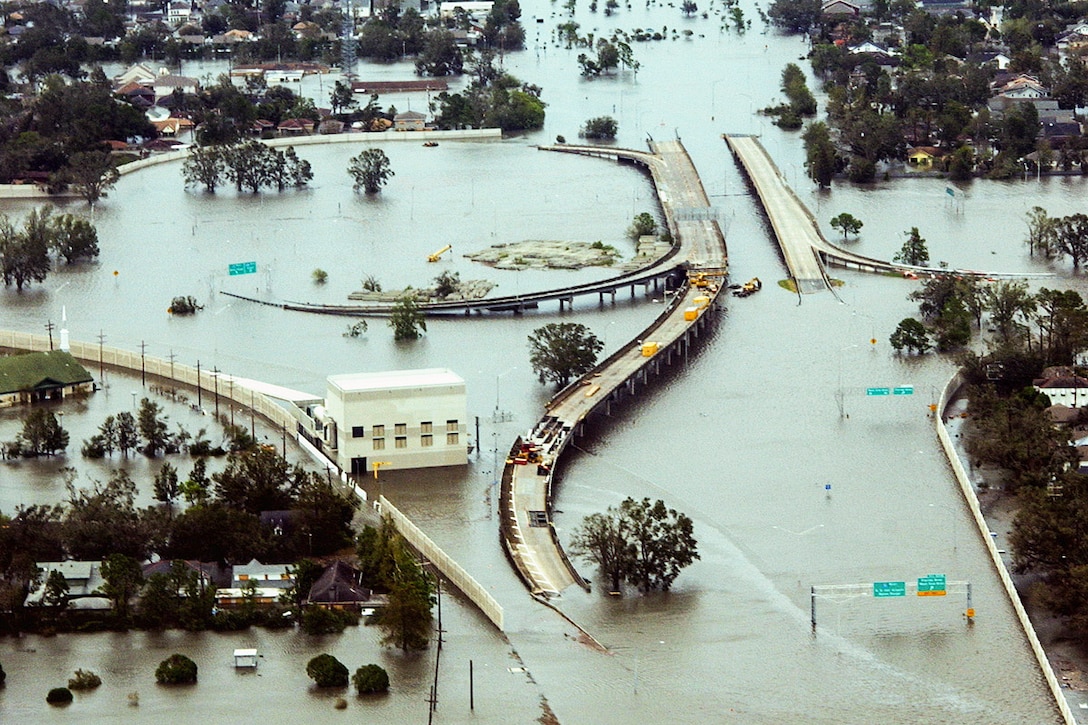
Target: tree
[
  {"x": 166, "y": 484},
  {"x": 195, "y": 488},
  {"x": 204, "y": 166},
  {"x": 820, "y": 155},
  {"x": 250, "y": 165},
  {"x": 84, "y": 680},
  {"x": 127, "y": 435},
  {"x": 74, "y": 238},
  {"x": 1010, "y": 306},
  {"x": 642, "y": 542},
  {"x": 602, "y": 538},
  {"x": 24, "y": 257},
  {"x": 911, "y": 335},
  {"x": 602, "y": 127},
  {"x": 42, "y": 435},
  {"x": 258, "y": 480},
  {"x": 342, "y": 98},
  {"x": 123, "y": 580},
  {"x": 92, "y": 174},
  {"x": 663, "y": 543},
  {"x": 689, "y": 8},
  {"x": 406, "y": 319},
  {"x": 795, "y": 16},
  {"x": 1071, "y": 237},
  {"x": 56, "y": 590},
  {"x": 59, "y": 696},
  {"x": 643, "y": 225},
  {"x": 103, "y": 520},
  {"x": 327, "y": 671},
  {"x": 446, "y": 284},
  {"x": 370, "y": 171},
  {"x": 560, "y": 351},
  {"x": 406, "y": 620},
  {"x": 153, "y": 428},
  {"x": 324, "y": 517},
  {"x": 440, "y": 56},
  {"x": 847, "y": 224},
  {"x": 177, "y": 669},
  {"x": 370, "y": 679},
  {"x": 914, "y": 250},
  {"x": 1041, "y": 232}
]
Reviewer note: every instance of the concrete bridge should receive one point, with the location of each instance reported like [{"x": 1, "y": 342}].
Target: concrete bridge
[
  {"x": 806, "y": 252},
  {"x": 526, "y": 496}
]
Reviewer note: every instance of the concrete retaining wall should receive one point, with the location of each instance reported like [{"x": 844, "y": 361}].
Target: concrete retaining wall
[
  {"x": 969, "y": 496},
  {"x": 445, "y": 564}
]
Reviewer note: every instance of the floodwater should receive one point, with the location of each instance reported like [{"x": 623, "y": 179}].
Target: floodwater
[{"x": 746, "y": 439}]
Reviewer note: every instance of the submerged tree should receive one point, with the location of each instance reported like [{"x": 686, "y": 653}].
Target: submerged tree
[
  {"x": 370, "y": 171},
  {"x": 407, "y": 320},
  {"x": 914, "y": 250},
  {"x": 560, "y": 351}
]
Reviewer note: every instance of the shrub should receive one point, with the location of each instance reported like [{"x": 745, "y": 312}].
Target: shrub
[
  {"x": 327, "y": 671},
  {"x": 318, "y": 620},
  {"x": 84, "y": 681},
  {"x": 59, "y": 696},
  {"x": 177, "y": 669},
  {"x": 320, "y": 276},
  {"x": 184, "y": 305},
  {"x": 370, "y": 679}
]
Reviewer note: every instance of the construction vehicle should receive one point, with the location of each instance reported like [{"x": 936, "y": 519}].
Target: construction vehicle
[
  {"x": 748, "y": 288},
  {"x": 438, "y": 255},
  {"x": 699, "y": 280}
]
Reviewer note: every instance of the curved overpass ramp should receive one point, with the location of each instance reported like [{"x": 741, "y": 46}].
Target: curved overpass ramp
[{"x": 526, "y": 497}]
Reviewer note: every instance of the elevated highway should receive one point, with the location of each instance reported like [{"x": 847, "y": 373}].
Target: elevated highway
[
  {"x": 526, "y": 497},
  {"x": 806, "y": 252}
]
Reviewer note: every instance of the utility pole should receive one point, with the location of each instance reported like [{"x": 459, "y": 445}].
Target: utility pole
[
  {"x": 143, "y": 366},
  {"x": 215, "y": 382},
  {"x": 101, "y": 342},
  {"x": 199, "y": 400},
  {"x": 172, "y": 382},
  {"x": 49, "y": 326}
]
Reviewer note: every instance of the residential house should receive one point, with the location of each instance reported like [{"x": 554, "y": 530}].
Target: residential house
[
  {"x": 923, "y": 157},
  {"x": 1072, "y": 41},
  {"x": 139, "y": 73},
  {"x": 179, "y": 12},
  {"x": 207, "y": 573},
  {"x": 164, "y": 85},
  {"x": 1068, "y": 390},
  {"x": 409, "y": 121},
  {"x": 401, "y": 418},
  {"x": 295, "y": 127},
  {"x": 1058, "y": 131},
  {"x": 37, "y": 376},
  {"x": 340, "y": 587},
  {"x": 995, "y": 58},
  {"x": 268, "y": 582},
  {"x": 84, "y": 580},
  {"x": 449, "y": 9},
  {"x": 840, "y": 9}
]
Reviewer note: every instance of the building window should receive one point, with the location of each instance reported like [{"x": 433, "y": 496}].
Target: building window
[
  {"x": 426, "y": 440},
  {"x": 357, "y": 431},
  {"x": 379, "y": 444},
  {"x": 425, "y": 426},
  {"x": 401, "y": 429},
  {"x": 451, "y": 425},
  {"x": 378, "y": 431},
  {"x": 402, "y": 442},
  {"x": 451, "y": 439}
]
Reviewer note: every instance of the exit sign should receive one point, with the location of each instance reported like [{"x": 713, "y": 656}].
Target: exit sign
[{"x": 242, "y": 268}]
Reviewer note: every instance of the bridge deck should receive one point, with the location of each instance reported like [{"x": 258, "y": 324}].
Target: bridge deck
[
  {"x": 528, "y": 532},
  {"x": 796, "y": 231}
]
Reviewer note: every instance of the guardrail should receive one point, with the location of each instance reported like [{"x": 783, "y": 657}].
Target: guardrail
[
  {"x": 951, "y": 388},
  {"x": 445, "y": 564}
]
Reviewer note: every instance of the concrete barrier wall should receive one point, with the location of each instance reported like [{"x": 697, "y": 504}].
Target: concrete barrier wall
[
  {"x": 102, "y": 356},
  {"x": 969, "y": 496},
  {"x": 445, "y": 564}
]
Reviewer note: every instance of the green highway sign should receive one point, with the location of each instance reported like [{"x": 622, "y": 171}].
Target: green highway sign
[
  {"x": 931, "y": 585},
  {"x": 242, "y": 268},
  {"x": 903, "y": 390},
  {"x": 889, "y": 589},
  {"x": 878, "y": 391}
]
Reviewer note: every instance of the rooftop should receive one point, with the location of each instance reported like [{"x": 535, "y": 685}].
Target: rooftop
[
  {"x": 396, "y": 379},
  {"x": 40, "y": 369}
]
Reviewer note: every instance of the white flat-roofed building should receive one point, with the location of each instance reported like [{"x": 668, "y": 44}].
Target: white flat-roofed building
[
  {"x": 400, "y": 419},
  {"x": 472, "y": 7}
]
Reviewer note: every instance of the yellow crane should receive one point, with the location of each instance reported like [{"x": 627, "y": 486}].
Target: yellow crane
[
  {"x": 438, "y": 255},
  {"x": 376, "y": 465}
]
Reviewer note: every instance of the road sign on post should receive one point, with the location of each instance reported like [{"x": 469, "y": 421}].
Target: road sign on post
[
  {"x": 932, "y": 585},
  {"x": 878, "y": 391},
  {"x": 242, "y": 268},
  {"x": 903, "y": 390},
  {"x": 889, "y": 589}
]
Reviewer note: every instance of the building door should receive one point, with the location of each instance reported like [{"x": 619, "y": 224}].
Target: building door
[{"x": 358, "y": 466}]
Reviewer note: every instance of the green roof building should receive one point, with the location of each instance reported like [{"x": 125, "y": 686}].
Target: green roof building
[{"x": 38, "y": 376}]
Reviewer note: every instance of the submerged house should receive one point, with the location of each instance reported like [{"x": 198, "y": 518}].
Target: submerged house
[{"x": 38, "y": 376}]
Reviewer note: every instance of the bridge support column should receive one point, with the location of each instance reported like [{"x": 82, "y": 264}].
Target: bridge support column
[{"x": 613, "y": 296}]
